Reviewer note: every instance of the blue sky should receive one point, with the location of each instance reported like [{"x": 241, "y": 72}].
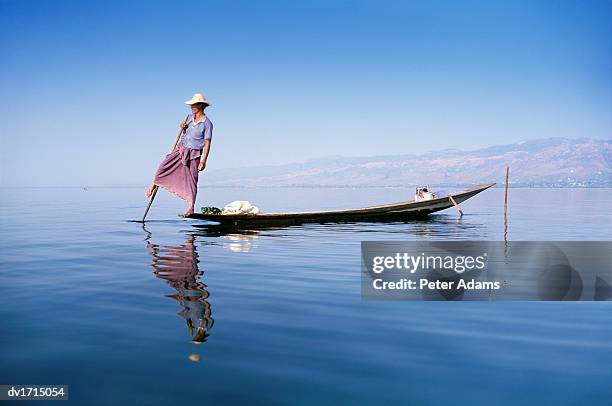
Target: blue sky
[{"x": 92, "y": 92}]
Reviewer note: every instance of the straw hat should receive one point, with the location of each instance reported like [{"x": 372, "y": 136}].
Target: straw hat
[{"x": 197, "y": 98}]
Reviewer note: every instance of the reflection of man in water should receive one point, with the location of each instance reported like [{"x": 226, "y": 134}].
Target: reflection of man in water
[{"x": 178, "y": 266}]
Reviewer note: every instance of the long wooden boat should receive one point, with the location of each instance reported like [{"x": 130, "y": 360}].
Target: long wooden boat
[{"x": 387, "y": 212}]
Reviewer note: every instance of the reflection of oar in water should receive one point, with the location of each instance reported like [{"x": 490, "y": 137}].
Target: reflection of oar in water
[{"x": 156, "y": 188}]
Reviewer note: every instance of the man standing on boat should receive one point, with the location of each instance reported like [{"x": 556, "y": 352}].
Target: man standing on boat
[{"x": 178, "y": 172}]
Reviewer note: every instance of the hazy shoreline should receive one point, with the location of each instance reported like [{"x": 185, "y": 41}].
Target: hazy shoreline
[{"x": 307, "y": 187}]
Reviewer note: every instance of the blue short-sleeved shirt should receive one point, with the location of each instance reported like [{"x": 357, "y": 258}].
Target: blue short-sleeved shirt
[{"x": 196, "y": 133}]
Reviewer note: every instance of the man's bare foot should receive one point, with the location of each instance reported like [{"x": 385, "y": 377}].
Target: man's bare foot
[
  {"x": 149, "y": 191},
  {"x": 188, "y": 212}
]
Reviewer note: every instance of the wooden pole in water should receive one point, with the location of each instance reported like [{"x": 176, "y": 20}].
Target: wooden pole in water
[
  {"x": 506, "y": 206},
  {"x": 156, "y": 188},
  {"x": 506, "y": 196},
  {"x": 456, "y": 205}
]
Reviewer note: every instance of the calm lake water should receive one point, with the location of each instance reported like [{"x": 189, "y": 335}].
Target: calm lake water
[{"x": 111, "y": 308}]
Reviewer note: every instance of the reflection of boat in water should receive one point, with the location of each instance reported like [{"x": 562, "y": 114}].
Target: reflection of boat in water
[
  {"x": 178, "y": 266},
  {"x": 397, "y": 211}
]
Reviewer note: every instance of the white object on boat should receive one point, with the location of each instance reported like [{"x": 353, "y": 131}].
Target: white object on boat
[
  {"x": 240, "y": 207},
  {"x": 422, "y": 194}
]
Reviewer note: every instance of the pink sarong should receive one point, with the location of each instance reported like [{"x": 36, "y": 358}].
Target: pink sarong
[{"x": 178, "y": 173}]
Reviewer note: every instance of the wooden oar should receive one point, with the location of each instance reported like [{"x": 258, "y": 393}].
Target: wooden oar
[
  {"x": 156, "y": 188},
  {"x": 456, "y": 205}
]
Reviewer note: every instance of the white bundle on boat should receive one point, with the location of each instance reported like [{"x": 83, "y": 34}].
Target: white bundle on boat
[{"x": 240, "y": 207}]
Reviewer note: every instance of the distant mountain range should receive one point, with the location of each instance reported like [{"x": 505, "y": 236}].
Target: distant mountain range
[{"x": 552, "y": 162}]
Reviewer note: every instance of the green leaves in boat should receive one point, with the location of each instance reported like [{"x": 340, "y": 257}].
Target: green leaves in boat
[{"x": 211, "y": 210}]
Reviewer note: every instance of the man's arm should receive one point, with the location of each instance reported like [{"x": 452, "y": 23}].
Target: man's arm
[{"x": 204, "y": 156}]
